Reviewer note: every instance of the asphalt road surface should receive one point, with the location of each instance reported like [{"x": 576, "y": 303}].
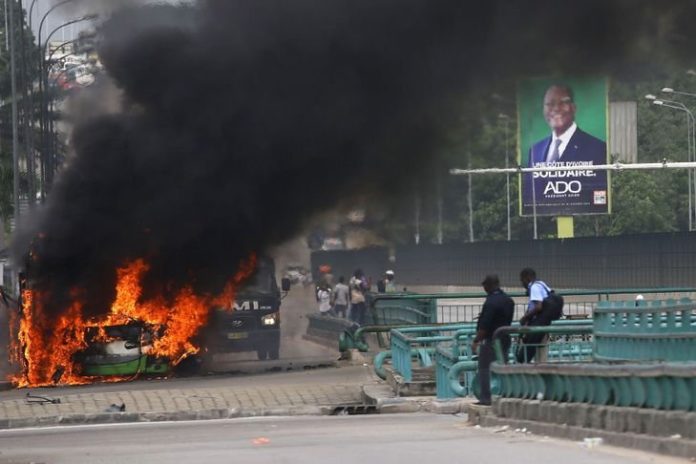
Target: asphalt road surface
[{"x": 387, "y": 439}]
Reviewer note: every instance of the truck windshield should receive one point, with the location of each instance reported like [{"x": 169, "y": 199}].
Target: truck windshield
[{"x": 261, "y": 282}]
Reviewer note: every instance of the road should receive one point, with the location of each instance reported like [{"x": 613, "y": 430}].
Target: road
[{"x": 388, "y": 439}]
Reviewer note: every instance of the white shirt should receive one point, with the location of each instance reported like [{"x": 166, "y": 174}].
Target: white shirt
[
  {"x": 564, "y": 138},
  {"x": 324, "y": 300},
  {"x": 537, "y": 292}
]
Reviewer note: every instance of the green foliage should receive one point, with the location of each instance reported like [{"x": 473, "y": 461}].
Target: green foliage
[{"x": 643, "y": 202}]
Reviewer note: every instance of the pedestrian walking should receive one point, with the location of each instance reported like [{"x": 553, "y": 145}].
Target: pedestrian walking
[
  {"x": 324, "y": 299},
  {"x": 341, "y": 297},
  {"x": 497, "y": 311},
  {"x": 358, "y": 288}
]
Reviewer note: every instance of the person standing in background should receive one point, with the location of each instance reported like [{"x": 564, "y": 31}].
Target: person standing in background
[
  {"x": 358, "y": 288},
  {"x": 324, "y": 299},
  {"x": 341, "y": 295}
]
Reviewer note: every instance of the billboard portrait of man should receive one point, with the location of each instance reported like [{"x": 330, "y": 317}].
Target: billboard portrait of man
[{"x": 560, "y": 139}]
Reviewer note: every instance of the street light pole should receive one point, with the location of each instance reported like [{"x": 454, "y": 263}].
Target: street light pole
[
  {"x": 31, "y": 12},
  {"x": 692, "y": 154},
  {"x": 691, "y": 144},
  {"x": 692, "y": 176},
  {"x": 677, "y": 92},
  {"x": 46, "y": 129},
  {"x": 42, "y": 118},
  {"x": 691, "y": 126}
]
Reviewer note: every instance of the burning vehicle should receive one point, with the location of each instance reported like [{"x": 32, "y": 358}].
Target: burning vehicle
[
  {"x": 254, "y": 322},
  {"x": 148, "y": 336},
  {"x": 121, "y": 350}
]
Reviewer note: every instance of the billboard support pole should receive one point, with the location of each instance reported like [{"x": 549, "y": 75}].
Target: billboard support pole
[
  {"x": 565, "y": 223},
  {"x": 534, "y": 207},
  {"x": 565, "y": 227}
]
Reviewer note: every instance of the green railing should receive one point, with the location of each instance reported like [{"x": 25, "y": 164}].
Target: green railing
[
  {"x": 450, "y": 344},
  {"x": 644, "y": 357},
  {"x": 646, "y": 331},
  {"x": 456, "y": 374},
  {"x": 401, "y": 309},
  {"x": 660, "y": 385},
  {"x": 394, "y": 310},
  {"x": 421, "y": 341},
  {"x": 465, "y": 307}
]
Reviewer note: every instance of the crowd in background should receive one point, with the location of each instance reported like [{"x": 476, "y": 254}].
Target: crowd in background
[{"x": 349, "y": 300}]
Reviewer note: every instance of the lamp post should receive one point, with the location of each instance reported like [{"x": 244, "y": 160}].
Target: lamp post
[
  {"x": 61, "y": 47},
  {"x": 48, "y": 157},
  {"x": 42, "y": 115},
  {"x": 691, "y": 141},
  {"x": 688, "y": 94},
  {"x": 31, "y": 12},
  {"x": 677, "y": 92}
]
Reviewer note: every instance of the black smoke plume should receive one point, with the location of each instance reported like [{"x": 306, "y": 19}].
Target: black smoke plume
[{"x": 243, "y": 118}]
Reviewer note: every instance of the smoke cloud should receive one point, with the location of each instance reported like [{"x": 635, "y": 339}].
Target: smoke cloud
[{"x": 242, "y": 119}]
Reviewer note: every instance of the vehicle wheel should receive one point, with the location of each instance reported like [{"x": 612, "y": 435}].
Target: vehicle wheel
[
  {"x": 189, "y": 366},
  {"x": 274, "y": 350},
  {"x": 261, "y": 353}
]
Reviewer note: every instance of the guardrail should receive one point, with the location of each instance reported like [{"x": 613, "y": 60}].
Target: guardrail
[
  {"x": 394, "y": 310},
  {"x": 639, "y": 382},
  {"x": 457, "y": 376},
  {"x": 650, "y": 331},
  {"x": 356, "y": 339},
  {"x": 659, "y": 386},
  {"x": 421, "y": 341},
  {"x": 401, "y": 311},
  {"x": 444, "y": 307}
]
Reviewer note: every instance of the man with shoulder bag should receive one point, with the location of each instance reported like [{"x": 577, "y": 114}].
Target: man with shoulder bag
[{"x": 544, "y": 307}]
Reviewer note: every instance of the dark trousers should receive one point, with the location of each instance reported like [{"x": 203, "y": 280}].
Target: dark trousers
[
  {"x": 357, "y": 313},
  {"x": 528, "y": 349},
  {"x": 340, "y": 310},
  {"x": 486, "y": 356}
]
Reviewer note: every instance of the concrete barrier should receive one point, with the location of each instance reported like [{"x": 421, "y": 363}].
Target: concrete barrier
[{"x": 326, "y": 329}]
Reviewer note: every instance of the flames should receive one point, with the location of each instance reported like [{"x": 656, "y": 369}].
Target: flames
[{"x": 46, "y": 348}]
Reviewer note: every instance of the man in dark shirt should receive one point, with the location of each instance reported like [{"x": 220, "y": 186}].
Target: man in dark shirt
[{"x": 497, "y": 311}]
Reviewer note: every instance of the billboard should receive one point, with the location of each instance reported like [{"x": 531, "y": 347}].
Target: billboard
[{"x": 563, "y": 122}]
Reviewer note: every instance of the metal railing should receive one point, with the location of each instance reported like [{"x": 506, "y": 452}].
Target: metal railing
[
  {"x": 394, "y": 310},
  {"x": 448, "y": 346},
  {"x": 634, "y": 334},
  {"x": 465, "y": 307},
  {"x": 646, "y": 331},
  {"x": 421, "y": 341}
]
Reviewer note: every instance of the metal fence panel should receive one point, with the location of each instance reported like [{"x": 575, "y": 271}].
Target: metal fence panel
[{"x": 646, "y": 260}]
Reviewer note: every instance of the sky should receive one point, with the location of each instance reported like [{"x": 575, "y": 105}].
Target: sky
[
  {"x": 59, "y": 16},
  {"x": 65, "y": 13}
]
